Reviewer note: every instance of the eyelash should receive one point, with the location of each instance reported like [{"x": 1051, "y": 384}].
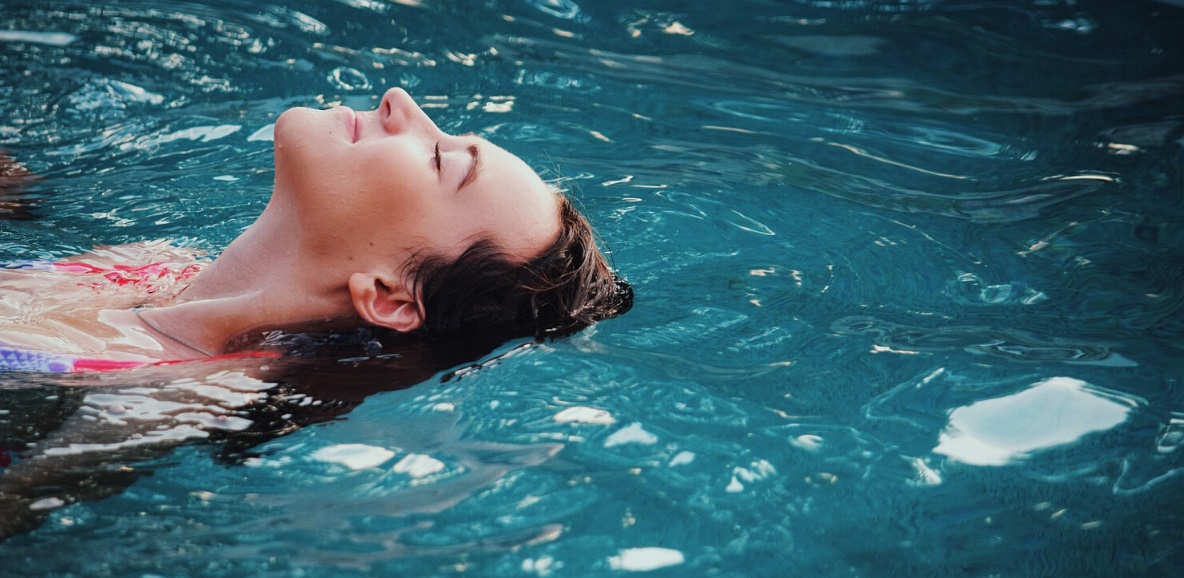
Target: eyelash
[{"x": 437, "y": 157}]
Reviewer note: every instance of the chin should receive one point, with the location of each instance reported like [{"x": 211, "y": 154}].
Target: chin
[
  {"x": 301, "y": 152},
  {"x": 306, "y": 139},
  {"x": 294, "y": 121}
]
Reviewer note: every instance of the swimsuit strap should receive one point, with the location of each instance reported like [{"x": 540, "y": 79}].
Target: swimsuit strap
[{"x": 13, "y": 359}]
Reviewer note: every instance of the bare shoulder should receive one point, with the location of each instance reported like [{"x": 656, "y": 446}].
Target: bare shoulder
[{"x": 59, "y": 305}]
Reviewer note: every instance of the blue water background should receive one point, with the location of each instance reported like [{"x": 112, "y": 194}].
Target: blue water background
[{"x": 861, "y": 233}]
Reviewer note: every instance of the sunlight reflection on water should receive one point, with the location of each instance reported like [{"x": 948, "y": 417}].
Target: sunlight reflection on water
[{"x": 1053, "y": 412}]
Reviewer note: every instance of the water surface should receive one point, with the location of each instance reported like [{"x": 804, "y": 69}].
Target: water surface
[{"x": 908, "y": 278}]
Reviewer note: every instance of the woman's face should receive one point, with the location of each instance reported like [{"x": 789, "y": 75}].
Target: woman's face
[{"x": 387, "y": 184}]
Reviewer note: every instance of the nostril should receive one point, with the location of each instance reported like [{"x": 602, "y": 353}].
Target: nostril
[{"x": 386, "y": 114}]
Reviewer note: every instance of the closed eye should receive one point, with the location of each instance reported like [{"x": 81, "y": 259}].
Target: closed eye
[
  {"x": 436, "y": 159},
  {"x": 474, "y": 166}
]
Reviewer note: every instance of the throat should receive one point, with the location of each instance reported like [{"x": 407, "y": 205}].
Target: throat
[
  {"x": 266, "y": 254},
  {"x": 268, "y": 278}
]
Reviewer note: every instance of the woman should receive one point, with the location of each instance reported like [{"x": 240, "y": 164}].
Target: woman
[{"x": 376, "y": 218}]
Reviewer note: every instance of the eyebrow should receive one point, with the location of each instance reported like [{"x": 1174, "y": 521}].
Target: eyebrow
[{"x": 474, "y": 167}]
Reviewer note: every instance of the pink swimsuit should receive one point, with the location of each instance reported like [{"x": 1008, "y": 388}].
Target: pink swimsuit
[{"x": 148, "y": 277}]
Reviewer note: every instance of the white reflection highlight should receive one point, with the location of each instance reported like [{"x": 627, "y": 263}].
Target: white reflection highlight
[
  {"x": 197, "y": 133},
  {"x": 630, "y": 434},
  {"x": 1054, "y": 412},
  {"x": 354, "y": 456},
  {"x": 583, "y": 414},
  {"x": 873, "y": 157},
  {"x": 265, "y": 134},
  {"x": 418, "y": 466},
  {"x": 645, "y": 559},
  {"x": 47, "y": 38},
  {"x": 923, "y": 475}
]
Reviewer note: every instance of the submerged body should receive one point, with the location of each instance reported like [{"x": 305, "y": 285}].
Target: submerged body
[{"x": 83, "y": 307}]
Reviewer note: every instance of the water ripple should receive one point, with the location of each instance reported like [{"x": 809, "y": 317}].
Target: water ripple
[
  {"x": 865, "y": 236},
  {"x": 1010, "y": 344},
  {"x": 724, "y": 76},
  {"x": 990, "y": 206}
]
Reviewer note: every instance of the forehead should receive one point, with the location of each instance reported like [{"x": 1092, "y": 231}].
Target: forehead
[{"x": 521, "y": 210}]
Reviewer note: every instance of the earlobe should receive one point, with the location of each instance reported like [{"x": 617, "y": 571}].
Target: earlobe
[{"x": 385, "y": 302}]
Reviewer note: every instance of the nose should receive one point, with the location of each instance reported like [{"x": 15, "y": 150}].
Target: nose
[{"x": 399, "y": 114}]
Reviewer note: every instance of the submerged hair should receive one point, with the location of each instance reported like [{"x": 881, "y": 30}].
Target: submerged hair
[{"x": 568, "y": 286}]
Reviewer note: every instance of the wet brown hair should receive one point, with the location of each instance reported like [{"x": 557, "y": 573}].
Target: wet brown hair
[{"x": 568, "y": 286}]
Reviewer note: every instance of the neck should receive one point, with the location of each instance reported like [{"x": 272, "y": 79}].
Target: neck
[{"x": 259, "y": 283}]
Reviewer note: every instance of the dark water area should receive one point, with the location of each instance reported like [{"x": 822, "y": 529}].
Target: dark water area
[{"x": 908, "y": 280}]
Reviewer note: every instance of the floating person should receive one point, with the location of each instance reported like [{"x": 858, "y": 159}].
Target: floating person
[{"x": 377, "y": 218}]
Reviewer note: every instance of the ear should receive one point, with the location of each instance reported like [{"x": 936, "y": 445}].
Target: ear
[{"x": 385, "y": 301}]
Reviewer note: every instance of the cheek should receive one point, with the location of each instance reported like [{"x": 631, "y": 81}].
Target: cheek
[
  {"x": 391, "y": 174},
  {"x": 434, "y": 227}
]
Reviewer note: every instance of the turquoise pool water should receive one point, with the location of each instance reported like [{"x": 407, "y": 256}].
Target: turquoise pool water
[{"x": 908, "y": 276}]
